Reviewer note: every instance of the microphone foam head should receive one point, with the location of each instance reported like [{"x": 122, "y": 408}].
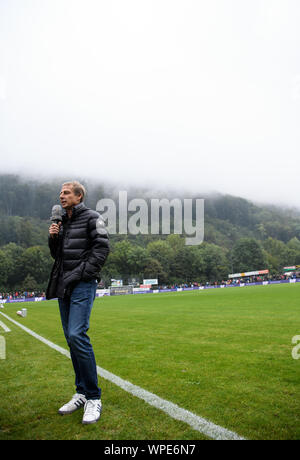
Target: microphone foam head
[{"x": 56, "y": 213}]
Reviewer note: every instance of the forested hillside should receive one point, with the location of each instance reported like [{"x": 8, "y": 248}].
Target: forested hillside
[{"x": 239, "y": 236}]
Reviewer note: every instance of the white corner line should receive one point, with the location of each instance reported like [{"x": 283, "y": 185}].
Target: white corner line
[
  {"x": 4, "y": 327},
  {"x": 196, "y": 422}
]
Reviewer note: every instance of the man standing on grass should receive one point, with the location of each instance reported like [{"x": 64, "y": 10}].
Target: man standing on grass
[{"x": 79, "y": 244}]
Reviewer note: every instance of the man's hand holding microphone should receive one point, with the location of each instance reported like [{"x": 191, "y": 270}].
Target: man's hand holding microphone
[
  {"x": 54, "y": 229},
  {"x": 56, "y": 219}
]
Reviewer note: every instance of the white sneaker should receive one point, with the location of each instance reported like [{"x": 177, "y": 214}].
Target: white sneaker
[
  {"x": 92, "y": 411},
  {"x": 76, "y": 403}
]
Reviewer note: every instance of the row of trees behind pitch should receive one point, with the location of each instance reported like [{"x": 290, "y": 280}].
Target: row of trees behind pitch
[{"x": 169, "y": 259}]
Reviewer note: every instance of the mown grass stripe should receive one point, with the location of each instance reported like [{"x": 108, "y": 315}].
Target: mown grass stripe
[{"x": 198, "y": 423}]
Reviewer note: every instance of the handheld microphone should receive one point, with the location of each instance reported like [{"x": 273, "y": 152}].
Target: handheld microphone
[{"x": 56, "y": 216}]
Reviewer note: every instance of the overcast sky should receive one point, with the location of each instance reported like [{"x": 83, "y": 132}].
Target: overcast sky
[{"x": 192, "y": 94}]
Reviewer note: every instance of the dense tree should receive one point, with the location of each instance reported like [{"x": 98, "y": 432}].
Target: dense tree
[
  {"x": 282, "y": 254},
  {"x": 239, "y": 236},
  {"x": 154, "y": 269},
  {"x": 4, "y": 269},
  {"x": 36, "y": 262},
  {"x": 29, "y": 284},
  {"x": 13, "y": 254},
  {"x": 162, "y": 252},
  {"x": 247, "y": 255},
  {"x": 215, "y": 263}
]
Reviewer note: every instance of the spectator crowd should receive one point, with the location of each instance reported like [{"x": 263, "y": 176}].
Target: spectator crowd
[
  {"x": 20, "y": 295},
  {"x": 235, "y": 281},
  {"x": 229, "y": 282}
]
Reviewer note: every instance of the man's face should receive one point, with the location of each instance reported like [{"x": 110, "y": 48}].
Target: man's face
[{"x": 67, "y": 197}]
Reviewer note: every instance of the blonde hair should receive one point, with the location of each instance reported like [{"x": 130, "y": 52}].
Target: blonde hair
[{"x": 78, "y": 188}]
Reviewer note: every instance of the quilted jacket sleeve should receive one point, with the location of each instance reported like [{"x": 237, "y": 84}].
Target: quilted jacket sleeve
[
  {"x": 53, "y": 244},
  {"x": 99, "y": 247}
]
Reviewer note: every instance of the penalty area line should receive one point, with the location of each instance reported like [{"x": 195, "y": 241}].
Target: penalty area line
[{"x": 196, "y": 422}]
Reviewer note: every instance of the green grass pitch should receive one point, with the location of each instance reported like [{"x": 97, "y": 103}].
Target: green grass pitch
[{"x": 223, "y": 354}]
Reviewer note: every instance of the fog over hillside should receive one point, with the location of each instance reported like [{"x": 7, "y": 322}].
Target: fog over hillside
[{"x": 196, "y": 96}]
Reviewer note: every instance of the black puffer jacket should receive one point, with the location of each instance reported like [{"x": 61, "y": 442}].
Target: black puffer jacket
[{"x": 80, "y": 250}]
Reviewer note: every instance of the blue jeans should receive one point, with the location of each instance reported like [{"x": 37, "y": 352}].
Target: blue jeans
[{"x": 75, "y": 315}]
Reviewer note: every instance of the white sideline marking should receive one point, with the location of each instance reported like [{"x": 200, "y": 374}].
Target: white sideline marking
[
  {"x": 197, "y": 423},
  {"x": 6, "y": 329}
]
